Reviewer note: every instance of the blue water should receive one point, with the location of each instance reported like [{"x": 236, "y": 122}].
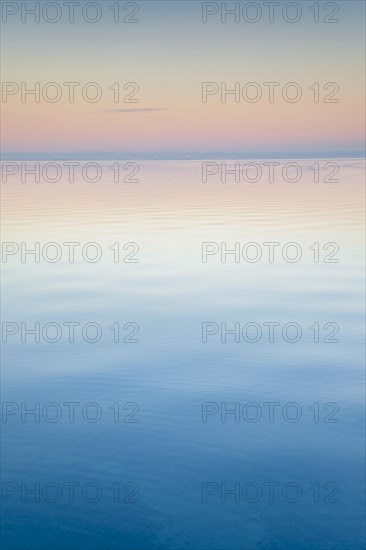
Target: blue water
[{"x": 163, "y": 454}]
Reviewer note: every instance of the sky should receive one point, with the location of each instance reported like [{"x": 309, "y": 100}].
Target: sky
[{"x": 168, "y": 54}]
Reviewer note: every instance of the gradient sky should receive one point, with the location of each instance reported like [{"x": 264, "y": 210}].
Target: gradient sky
[{"x": 169, "y": 53}]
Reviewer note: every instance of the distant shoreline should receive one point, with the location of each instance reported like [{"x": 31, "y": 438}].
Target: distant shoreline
[{"x": 99, "y": 156}]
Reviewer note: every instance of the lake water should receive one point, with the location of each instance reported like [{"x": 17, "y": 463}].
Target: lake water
[{"x": 170, "y": 467}]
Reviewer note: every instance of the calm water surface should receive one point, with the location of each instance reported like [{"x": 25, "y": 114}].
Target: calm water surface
[{"x": 164, "y": 461}]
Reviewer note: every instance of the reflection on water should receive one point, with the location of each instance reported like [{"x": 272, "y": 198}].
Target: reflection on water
[{"x": 172, "y": 457}]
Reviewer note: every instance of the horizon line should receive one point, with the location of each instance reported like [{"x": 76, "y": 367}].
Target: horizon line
[{"x": 177, "y": 155}]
